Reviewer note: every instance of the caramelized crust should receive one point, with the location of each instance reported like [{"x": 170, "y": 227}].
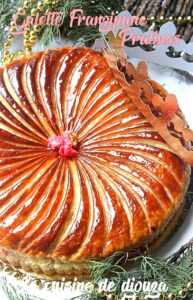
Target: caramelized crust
[{"x": 119, "y": 192}]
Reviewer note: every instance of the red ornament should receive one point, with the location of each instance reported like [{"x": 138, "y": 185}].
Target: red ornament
[{"x": 63, "y": 144}]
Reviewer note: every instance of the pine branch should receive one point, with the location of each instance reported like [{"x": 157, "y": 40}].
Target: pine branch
[{"x": 174, "y": 274}]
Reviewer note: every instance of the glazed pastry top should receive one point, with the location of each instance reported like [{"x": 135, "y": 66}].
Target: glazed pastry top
[{"x": 119, "y": 190}]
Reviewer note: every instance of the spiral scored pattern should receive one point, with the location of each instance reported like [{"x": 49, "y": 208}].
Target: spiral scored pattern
[{"x": 121, "y": 189}]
